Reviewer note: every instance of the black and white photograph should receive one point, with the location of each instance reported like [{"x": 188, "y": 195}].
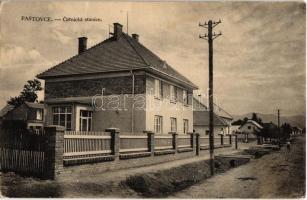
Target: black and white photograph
[{"x": 152, "y": 99}]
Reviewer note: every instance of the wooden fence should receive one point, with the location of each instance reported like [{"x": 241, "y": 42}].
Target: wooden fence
[
  {"x": 133, "y": 143},
  {"x": 185, "y": 141},
  {"x": 204, "y": 141},
  {"x": 37, "y": 153},
  {"x": 23, "y": 152},
  {"x": 163, "y": 142},
  {"x": 83, "y": 144}
]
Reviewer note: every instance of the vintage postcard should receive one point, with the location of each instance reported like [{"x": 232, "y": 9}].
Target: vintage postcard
[{"x": 147, "y": 99}]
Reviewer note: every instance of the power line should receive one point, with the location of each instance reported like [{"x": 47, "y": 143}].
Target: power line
[{"x": 210, "y": 37}]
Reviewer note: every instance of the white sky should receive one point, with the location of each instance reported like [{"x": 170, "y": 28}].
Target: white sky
[{"x": 259, "y": 61}]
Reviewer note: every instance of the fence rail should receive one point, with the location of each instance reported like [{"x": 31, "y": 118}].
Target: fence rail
[
  {"x": 163, "y": 142},
  {"x": 86, "y": 144},
  {"x": 204, "y": 141},
  {"x": 185, "y": 141},
  {"x": 133, "y": 143}
]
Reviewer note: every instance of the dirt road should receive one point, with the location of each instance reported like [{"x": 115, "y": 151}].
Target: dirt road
[{"x": 278, "y": 175}]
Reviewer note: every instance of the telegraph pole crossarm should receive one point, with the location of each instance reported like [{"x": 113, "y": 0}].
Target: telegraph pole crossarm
[{"x": 210, "y": 37}]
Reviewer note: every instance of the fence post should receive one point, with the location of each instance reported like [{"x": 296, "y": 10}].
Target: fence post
[
  {"x": 230, "y": 140},
  {"x": 151, "y": 142},
  {"x": 175, "y": 141},
  {"x": 222, "y": 139},
  {"x": 193, "y": 141},
  {"x": 54, "y": 151},
  {"x": 197, "y": 143},
  {"x": 236, "y": 141},
  {"x": 258, "y": 140},
  {"x": 114, "y": 141}
]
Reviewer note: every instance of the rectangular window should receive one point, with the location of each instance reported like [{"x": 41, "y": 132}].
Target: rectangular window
[
  {"x": 173, "y": 124},
  {"x": 39, "y": 114},
  {"x": 207, "y": 132},
  {"x": 185, "y": 97},
  {"x": 158, "y": 89},
  {"x": 173, "y": 93},
  {"x": 158, "y": 124},
  {"x": 85, "y": 120},
  {"x": 62, "y": 116},
  {"x": 185, "y": 126}
]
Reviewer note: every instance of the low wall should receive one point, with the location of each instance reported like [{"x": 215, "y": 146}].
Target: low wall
[
  {"x": 178, "y": 147},
  {"x": 100, "y": 167}
]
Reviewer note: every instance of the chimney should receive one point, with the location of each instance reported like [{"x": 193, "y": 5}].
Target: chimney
[
  {"x": 135, "y": 36},
  {"x": 82, "y": 44},
  {"x": 118, "y": 29}
]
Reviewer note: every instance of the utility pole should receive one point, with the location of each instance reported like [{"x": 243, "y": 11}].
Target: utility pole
[
  {"x": 210, "y": 37},
  {"x": 278, "y": 122}
]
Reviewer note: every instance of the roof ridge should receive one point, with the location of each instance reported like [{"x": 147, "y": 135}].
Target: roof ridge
[{"x": 127, "y": 39}]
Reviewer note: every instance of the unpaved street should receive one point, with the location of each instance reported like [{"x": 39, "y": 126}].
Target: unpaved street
[{"x": 280, "y": 174}]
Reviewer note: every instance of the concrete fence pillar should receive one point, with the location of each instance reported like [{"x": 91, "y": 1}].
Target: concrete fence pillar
[
  {"x": 115, "y": 143},
  {"x": 197, "y": 141},
  {"x": 54, "y": 151},
  {"x": 222, "y": 139},
  {"x": 193, "y": 141},
  {"x": 175, "y": 140},
  {"x": 258, "y": 140},
  {"x": 151, "y": 142}
]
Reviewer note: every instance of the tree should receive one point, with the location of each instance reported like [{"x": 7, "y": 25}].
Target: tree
[
  {"x": 238, "y": 122},
  {"x": 256, "y": 118},
  {"x": 285, "y": 130},
  {"x": 267, "y": 132},
  {"x": 29, "y": 93}
]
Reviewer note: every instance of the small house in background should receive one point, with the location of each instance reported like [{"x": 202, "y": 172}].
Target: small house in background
[
  {"x": 4, "y": 111},
  {"x": 297, "y": 130},
  {"x": 248, "y": 130},
  {"x": 30, "y": 114},
  {"x": 201, "y": 119},
  {"x": 234, "y": 129}
]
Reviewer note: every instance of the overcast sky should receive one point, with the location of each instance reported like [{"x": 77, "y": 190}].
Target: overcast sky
[{"x": 259, "y": 61}]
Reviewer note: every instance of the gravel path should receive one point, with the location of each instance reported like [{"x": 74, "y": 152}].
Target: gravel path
[{"x": 278, "y": 175}]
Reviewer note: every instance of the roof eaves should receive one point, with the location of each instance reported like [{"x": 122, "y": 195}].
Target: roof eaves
[
  {"x": 84, "y": 74},
  {"x": 192, "y": 85}
]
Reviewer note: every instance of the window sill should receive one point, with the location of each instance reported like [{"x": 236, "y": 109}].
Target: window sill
[{"x": 158, "y": 98}]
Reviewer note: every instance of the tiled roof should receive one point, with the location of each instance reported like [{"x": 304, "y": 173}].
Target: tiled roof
[
  {"x": 253, "y": 122},
  {"x": 201, "y": 118},
  {"x": 34, "y": 105},
  {"x": 198, "y": 106},
  {"x": 111, "y": 56},
  {"x": 221, "y": 112},
  {"x": 6, "y": 109}
]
